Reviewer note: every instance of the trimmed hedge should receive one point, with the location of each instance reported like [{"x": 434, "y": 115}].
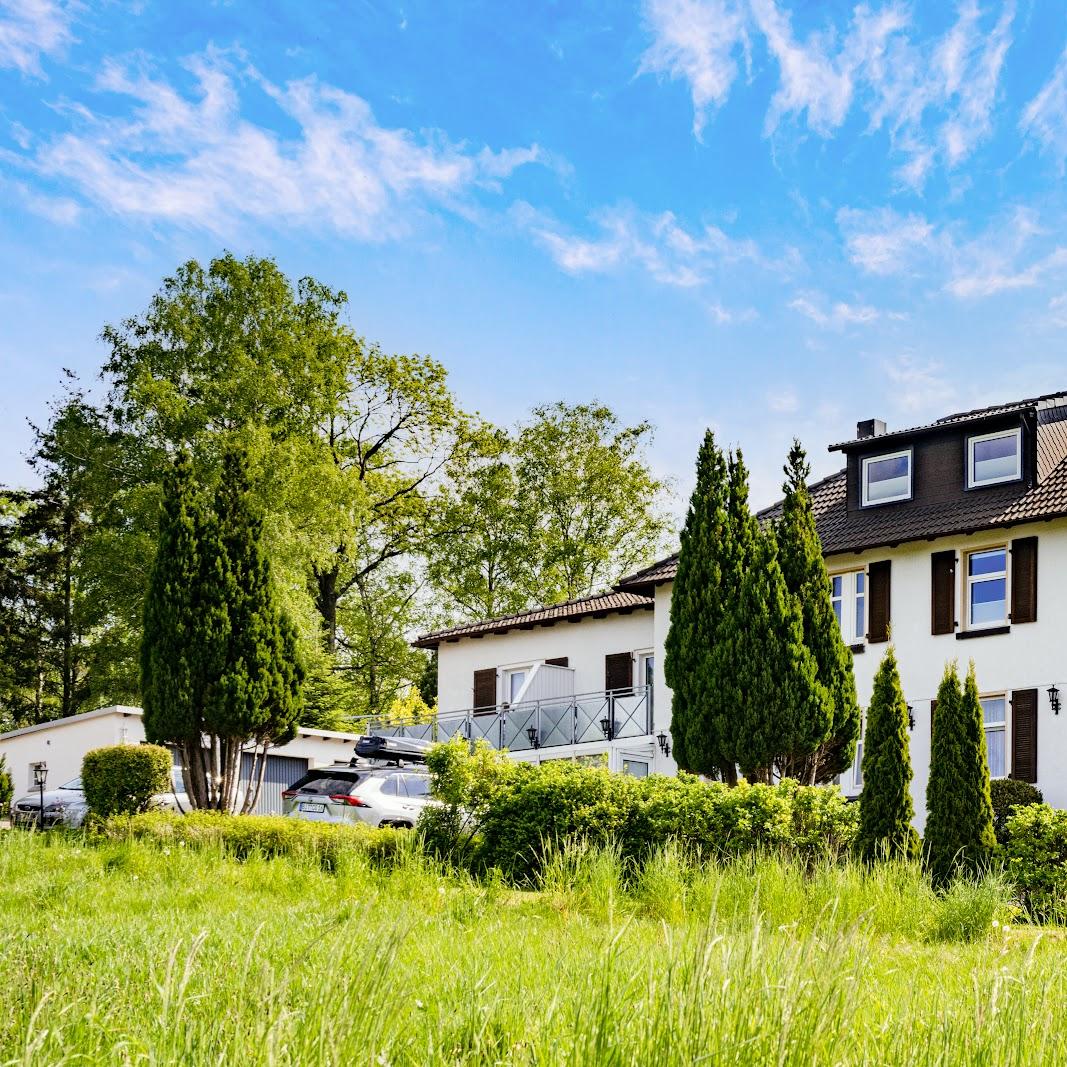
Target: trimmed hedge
[
  {"x": 1035, "y": 858},
  {"x": 1007, "y": 795},
  {"x": 242, "y": 836},
  {"x": 523, "y": 810},
  {"x": 123, "y": 779}
]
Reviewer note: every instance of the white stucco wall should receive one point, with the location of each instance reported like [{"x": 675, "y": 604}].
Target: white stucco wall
[{"x": 584, "y": 643}]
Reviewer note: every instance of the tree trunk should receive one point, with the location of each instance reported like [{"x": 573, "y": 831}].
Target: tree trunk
[
  {"x": 326, "y": 597},
  {"x": 67, "y": 705}
]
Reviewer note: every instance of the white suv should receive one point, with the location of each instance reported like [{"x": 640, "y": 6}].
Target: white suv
[{"x": 378, "y": 796}]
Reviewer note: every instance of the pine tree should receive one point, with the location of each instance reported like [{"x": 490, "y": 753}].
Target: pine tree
[
  {"x": 886, "y": 808},
  {"x": 959, "y": 812},
  {"x": 696, "y": 613},
  {"x": 801, "y": 559}
]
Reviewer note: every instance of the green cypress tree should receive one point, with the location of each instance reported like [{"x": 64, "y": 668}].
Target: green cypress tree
[
  {"x": 886, "y": 808},
  {"x": 695, "y": 616},
  {"x": 801, "y": 558},
  {"x": 959, "y": 812}
]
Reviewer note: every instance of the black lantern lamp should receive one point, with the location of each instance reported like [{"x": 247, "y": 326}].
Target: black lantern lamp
[
  {"x": 531, "y": 733},
  {"x": 40, "y": 776},
  {"x": 606, "y": 727},
  {"x": 1054, "y": 699},
  {"x": 664, "y": 743},
  {"x": 911, "y": 717}
]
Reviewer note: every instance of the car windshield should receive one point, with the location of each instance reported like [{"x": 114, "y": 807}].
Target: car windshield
[
  {"x": 325, "y": 783},
  {"x": 74, "y": 783}
]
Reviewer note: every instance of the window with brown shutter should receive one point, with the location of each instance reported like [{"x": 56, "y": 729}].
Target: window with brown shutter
[
  {"x": 485, "y": 688},
  {"x": 559, "y": 661},
  {"x": 878, "y": 613},
  {"x": 1024, "y": 580},
  {"x": 618, "y": 671},
  {"x": 943, "y": 592},
  {"x": 1024, "y": 735}
]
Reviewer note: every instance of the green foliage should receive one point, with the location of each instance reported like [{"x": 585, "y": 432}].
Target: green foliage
[
  {"x": 886, "y": 809},
  {"x": 1008, "y": 794},
  {"x": 7, "y": 788},
  {"x": 801, "y": 559},
  {"x": 522, "y": 812},
  {"x": 1035, "y": 856},
  {"x": 959, "y": 821},
  {"x": 123, "y": 779},
  {"x": 244, "y": 836}
]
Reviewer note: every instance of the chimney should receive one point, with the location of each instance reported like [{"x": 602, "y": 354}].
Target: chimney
[{"x": 869, "y": 428}]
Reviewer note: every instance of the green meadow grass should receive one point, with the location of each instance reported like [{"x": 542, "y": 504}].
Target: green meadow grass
[{"x": 130, "y": 953}]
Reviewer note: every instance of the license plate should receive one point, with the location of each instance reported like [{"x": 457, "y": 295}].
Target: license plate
[{"x": 313, "y": 807}]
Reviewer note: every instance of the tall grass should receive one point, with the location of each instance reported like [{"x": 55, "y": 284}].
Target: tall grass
[{"x": 133, "y": 953}]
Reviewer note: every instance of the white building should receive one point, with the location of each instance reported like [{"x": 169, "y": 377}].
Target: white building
[
  {"x": 62, "y": 744},
  {"x": 951, "y": 536}
]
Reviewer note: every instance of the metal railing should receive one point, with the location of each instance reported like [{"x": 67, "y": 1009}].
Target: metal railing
[{"x": 571, "y": 720}]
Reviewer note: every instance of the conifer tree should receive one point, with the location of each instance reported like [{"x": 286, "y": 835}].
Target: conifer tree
[
  {"x": 959, "y": 812},
  {"x": 801, "y": 559},
  {"x": 886, "y": 808},
  {"x": 696, "y": 613}
]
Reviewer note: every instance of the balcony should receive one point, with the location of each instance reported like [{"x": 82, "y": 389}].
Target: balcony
[{"x": 547, "y": 722}]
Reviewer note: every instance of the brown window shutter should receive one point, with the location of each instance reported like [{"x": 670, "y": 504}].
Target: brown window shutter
[
  {"x": 485, "y": 688},
  {"x": 943, "y": 593},
  {"x": 1024, "y": 735},
  {"x": 618, "y": 671},
  {"x": 559, "y": 661},
  {"x": 1024, "y": 579},
  {"x": 878, "y": 601}
]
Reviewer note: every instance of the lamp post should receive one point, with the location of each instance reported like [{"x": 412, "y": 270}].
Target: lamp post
[{"x": 40, "y": 775}]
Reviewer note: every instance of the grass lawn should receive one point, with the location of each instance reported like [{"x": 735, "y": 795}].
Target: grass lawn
[{"x": 128, "y": 953}]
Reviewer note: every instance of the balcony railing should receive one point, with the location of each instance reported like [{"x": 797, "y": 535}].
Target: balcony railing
[{"x": 571, "y": 720}]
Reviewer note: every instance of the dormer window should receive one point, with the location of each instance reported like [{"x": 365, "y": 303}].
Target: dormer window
[
  {"x": 993, "y": 458},
  {"x": 887, "y": 478}
]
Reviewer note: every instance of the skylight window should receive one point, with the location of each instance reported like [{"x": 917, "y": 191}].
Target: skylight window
[
  {"x": 993, "y": 458},
  {"x": 887, "y": 478}
]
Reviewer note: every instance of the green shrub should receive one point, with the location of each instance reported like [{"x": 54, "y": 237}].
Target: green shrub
[
  {"x": 270, "y": 836},
  {"x": 123, "y": 779},
  {"x": 511, "y": 816},
  {"x": 1007, "y": 795},
  {"x": 7, "y": 788},
  {"x": 1035, "y": 859},
  {"x": 969, "y": 909}
]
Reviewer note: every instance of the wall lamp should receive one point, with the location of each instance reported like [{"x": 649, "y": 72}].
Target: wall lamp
[
  {"x": 535, "y": 739},
  {"x": 1054, "y": 699},
  {"x": 911, "y": 717},
  {"x": 607, "y": 727},
  {"x": 664, "y": 744}
]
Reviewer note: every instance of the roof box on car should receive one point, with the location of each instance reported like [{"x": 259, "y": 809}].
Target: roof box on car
[{"x": 391, "y": 749}]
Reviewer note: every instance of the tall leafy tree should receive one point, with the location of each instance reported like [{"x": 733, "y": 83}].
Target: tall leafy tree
[
  {"x": 801, "y": 559},
  {"x": 697, "y": 612},
  {"x": 886, "y": 809},
  {"x": 959, "y": 813}
]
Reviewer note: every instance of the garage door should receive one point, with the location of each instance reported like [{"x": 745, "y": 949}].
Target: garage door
[{"x": 281, "y": 772}]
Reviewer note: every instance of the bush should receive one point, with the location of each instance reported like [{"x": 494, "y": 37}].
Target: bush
[
  {"x": 509, "y": 816},
  {"x": 7, "y": 788},
  {"x": 1009, "y": 794},
  {"x": 123, "y": 779},
  {"x": 242, "y": 836},
  {"x": 1036, "y": 860}
]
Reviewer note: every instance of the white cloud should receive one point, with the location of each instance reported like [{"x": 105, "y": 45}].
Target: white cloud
[
  {"x": 883, "y": 241},
  {"x": 833, "y": 316},
  {"x": 30, "y": 29},
  {"x": 918, "y": 387},
  {"x": 783, "y": 401},
  {"x": 1044, "y": 119},
  {"x": 998, "y": 274},
  {"x": 196, "y": 160},
  {"x": 695, "y": 41},
  {"x": 659, "y": 244}
]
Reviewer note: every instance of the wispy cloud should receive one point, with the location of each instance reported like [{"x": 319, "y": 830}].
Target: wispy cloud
[
  {"x": 836, "y": 315},
  {"x": 30, "y": 29},
  {"x": 918, "y": 386},
  {"x": 695, "y": 41},
  {"x": 783, "y": 401},
  {"x": 195, "y": 159},
  {"x": 883, "y": 241},
  {"x": 1044, "y": 119}
]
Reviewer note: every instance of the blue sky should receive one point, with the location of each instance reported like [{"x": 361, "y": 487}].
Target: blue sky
[{"x": 770, "y": 219}]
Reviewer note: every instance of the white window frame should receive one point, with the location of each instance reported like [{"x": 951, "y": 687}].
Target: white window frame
[
  {"x": 848, "y": 598},
  {"x": 640, "y": 658},
  {"x": 1000, "y": 727},
  {"x": 505, "y": 681},
  {"x": 857, "y": 763},
  {"x": 974, "y": 483},
  {"x": 868, "y": 460},
  {"x": 969, "y": 580}
]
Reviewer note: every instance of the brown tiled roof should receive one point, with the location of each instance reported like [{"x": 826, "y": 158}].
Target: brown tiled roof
[{"x": 601, "y": 604}]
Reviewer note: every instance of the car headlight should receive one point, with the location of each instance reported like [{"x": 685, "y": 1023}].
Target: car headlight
[{"x": 60, "y": 807}]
